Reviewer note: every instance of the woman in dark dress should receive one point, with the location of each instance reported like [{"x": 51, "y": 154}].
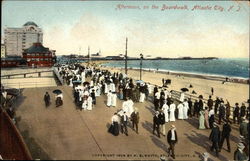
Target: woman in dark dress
[{"x": 114, "y": 128}]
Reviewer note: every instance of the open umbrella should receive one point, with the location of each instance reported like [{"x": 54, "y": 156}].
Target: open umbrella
[
  {"x": 184, "y": 89},
  {"x": 200, "y": 96},
  {"x": 13, "y": 91},
  {"x": 57, "y": 91},
  {"x": 168, "y": 81},
  {"x": 139, "y": 81},
  {"x": 86, "y": 83},
  {"x": 76, "y": 82}
]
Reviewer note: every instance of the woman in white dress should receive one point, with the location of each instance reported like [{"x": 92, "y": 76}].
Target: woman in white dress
[
  {"x": 83, "y": 77},
  {"x": 130, "y": 107},
  {"x": 142, "y": 95},
  {"x": 109, "y": 98},
  {"x": 172, "y": 112},
  {"x": 91, "y": 83},
  {"x": 106, "y": 88},
  {"x": 182, "y": 97},
  {"x": 165, "y": 109},
  {"x": 180, "y": 110},
  {"x": 113, "y": 99},
  {"x": 84, "y": 103},
  {"x": 70, "y": 82},
  {"x": 185, "y": 109},
  {"x": 89, "y": 101},
  {"x": 98, "y": 90},
  {"x": 112, "y": 87}
]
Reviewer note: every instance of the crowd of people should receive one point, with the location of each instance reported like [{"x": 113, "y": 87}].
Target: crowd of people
[{"x": 167, "y": 108}]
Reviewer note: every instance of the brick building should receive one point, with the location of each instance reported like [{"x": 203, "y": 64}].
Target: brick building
[{"x": 39, "y": 56}]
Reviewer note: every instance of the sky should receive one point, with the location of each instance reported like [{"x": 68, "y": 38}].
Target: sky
[{"x": 69, "y": 27}]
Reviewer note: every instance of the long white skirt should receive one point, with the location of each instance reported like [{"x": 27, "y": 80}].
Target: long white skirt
[
  {"x": 142, "y": 97},
  {"x": 84, "y": 105}
]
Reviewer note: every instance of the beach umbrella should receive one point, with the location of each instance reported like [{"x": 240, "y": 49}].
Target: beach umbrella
[
  {"x": 57, "y": 91},
  {"x": 200, "y": 96},
  {"x": 193, "y": 92},
  {"x": 139, "y": 81},
  {"x": 86, "y": 83},
  {"x": 76, "y": 82},
  {"x": 168, "y": 81},
  {"x": 184, "y": 89}
]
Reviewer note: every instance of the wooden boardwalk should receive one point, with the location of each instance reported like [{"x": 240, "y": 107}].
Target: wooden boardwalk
[{"x": 68, "y": 133}]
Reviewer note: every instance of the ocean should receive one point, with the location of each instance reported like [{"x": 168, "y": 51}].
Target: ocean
[{"x": 225, "y": 67}]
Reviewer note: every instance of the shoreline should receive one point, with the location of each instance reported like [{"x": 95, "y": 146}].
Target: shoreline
[
  {"x": 185, "y": 74},
  {"x": 202, "y": 86}
]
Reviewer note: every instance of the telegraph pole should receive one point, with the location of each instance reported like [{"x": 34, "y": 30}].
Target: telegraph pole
[{"x": 126, "y": 56}]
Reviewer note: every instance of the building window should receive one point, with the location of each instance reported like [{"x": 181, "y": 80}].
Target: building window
[
  {"x": 46, "y": 54},
  {"x": 37, "y": 59},
  {"x": 3, "y": 62},
  {"x": 46, "y": 59},
  {"x": 28, "y": 59},
  {"x": 9, "y": 62},
  {"x": 33, "y": 59},
  {"x": 37, "y": 54}
]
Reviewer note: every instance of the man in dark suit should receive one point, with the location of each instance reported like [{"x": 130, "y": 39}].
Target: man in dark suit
[
  {"x": 215, "y": 138},
  {"x": 162, "y": 122},
  {"x": 135, "y": 119},
  {"x": 242, "y": 112},
  {"x": 172, "y": 140},
  {"x": 236, "y": 113},
  {"x": 46, "y": 99},
  {"x": 124, "y": 123},
  {"x": 156, "y": 124},
  {"x": 210, "y": 103},
  {"x": 225, "y": 135},
  {"x": 196, "y": 108},
  {"x": 190, "y": 105},
  {"x": 222, "y": 112}
]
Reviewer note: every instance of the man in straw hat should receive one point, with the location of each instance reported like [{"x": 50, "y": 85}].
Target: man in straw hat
[
  {"x": 239, "y": 154},
  {"x": 215, "y": 138},
  {"x": 172, "y": 140}
]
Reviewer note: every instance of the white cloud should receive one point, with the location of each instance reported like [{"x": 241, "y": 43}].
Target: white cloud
[{"x": 168, "y": 40}]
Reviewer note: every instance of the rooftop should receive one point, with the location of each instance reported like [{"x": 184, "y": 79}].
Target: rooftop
[
  {"x": 30, "y": 23},
  {"x": 37, "y": 48}
]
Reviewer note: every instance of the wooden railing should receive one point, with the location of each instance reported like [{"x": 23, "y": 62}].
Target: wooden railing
[
  {"x": 12, "y": 145},
  {"x": 56, "y": 72}
]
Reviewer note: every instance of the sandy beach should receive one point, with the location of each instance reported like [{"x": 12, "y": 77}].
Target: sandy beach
[{"x": 233, "y": 92}]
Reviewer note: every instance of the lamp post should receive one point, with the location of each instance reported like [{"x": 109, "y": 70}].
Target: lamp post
[
  {"x": 126, "y": 57},
  {"x": 141, "y": 57}
]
